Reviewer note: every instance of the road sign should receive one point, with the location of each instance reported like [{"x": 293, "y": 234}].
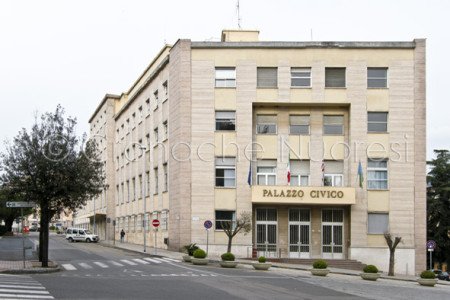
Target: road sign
[
  {"x": 12, "y": 204},
  {"x": 155, "y": 223},
  {"x": 431, "y": 245},
  {"x": 208, "y": 224}
]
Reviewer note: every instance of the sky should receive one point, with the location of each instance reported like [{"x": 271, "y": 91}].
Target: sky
[{"x": 74, "y": 52}]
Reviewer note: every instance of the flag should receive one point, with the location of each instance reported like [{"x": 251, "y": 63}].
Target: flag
[
  {"x": 360, "y": 175},
  {"x": 249, "y": 178},
  {"x": 289, "y": 173},
  {"x": 323, "y": 172}
]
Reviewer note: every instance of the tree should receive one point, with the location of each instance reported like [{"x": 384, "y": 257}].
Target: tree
[
  {"x": 392, "y": 244},
  {"x": 53, "y": 167},
  {"x": 438, "y": 204},
  {"x": 231, "y": 228}
]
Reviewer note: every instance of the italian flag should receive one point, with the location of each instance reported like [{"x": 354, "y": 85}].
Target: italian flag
[{"x": 289, "y": 173}]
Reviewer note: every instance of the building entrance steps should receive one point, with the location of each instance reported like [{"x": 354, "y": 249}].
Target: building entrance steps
[{"x": 347, "y": 264}]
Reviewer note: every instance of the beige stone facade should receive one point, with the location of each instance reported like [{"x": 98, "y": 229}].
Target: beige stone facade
[{"x": 204, "y": 115}]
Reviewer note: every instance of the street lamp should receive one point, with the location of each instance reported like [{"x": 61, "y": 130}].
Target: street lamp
[{"x": 144, "y": 181}]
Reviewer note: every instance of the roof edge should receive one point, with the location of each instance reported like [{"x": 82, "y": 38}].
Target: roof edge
[
  {"x": 106, "y": 97},
  {"x": 325, "y": 44}
]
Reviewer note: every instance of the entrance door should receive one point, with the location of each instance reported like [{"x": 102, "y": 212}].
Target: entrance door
[
  {"x": 266, "y": 232},
  {"x": 332, "y": 233},
  {"x": 299, "y": 233}
]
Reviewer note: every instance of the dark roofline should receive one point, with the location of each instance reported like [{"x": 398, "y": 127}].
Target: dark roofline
[
  {"x": 106, "y": 97},
  {"x": 300, "y": 45}
]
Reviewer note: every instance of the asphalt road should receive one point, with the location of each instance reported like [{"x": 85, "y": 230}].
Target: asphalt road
[{"x": 92, "y": 271}]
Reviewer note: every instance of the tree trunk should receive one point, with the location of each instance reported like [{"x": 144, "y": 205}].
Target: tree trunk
[
  {"x": 40, "y": 241},
  {"x": 43, "y": 243},
  {"x": 9, "y": 221},
  {"x": 230, "y": 239},
  {"x": 391, "y": 262}
]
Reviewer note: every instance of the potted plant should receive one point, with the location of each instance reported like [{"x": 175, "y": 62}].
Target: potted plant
[
  {"x": 320, "y": 268},
  {"x": 199, "y": 257},
  {"x": 261, "y": 264},
  {"x": 189, "y": 249},
  {"x": 228, "y": 260},
  {"x": 427, "y": 278},
  {"x": 370, "y": 273}
]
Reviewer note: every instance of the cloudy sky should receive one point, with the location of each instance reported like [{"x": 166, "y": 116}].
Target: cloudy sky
[{"x": 73, "y": 52}]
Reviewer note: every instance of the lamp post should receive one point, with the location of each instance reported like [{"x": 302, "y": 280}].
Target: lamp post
[{"x": 144, "y": 182}]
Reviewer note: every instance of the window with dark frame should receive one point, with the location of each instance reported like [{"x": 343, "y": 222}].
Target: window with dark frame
[
  {"x": 226, "y": 120},
  {"x": 333, "y": 124},
  {"x": 377, "y": 77},
  {"x": 226, "y": 172},
  {"x": 224, "y": 216},
  {"x": 267, "y": 77},
  {"x": 334, "y": 77},
  {"x": 266, "y": 124},
  {"x": 377, "y": 121},
  {"x": 300, "y": 77},
  {"x": 299, "y": 124}
]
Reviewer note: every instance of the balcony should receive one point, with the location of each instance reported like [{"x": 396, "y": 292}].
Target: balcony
[{"x": 277, "y": 194}]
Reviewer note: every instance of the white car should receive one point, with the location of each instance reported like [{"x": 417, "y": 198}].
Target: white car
[{"x": 80, "y": 235}]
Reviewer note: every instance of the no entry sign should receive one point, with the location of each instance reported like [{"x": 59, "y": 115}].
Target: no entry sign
[{"x": 155, "y": 223}]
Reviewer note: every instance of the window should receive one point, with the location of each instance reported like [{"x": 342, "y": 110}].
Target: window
[
  {"x": 117, "y": 194},
  {"x": 147, "y": 175},
  {"x": 224, "y": 216},
  {"x": 165, "y": 90},
  {"x": 267, "y": 77},
  {"x": 128, "y": 126},
  {"x": 333, "y": 174},
  {"x": 141, "y": 151},
  {"x": 133, "y": 120},
  {"x": 378, "y": 223},
  {"x": 377, "y": 121},
  {"x": 300, "y": 77},
  {"x": 377, "y": 174},
  {"x": 377, "y": 77},
  {"x": 299, "y": 125},
  {"x": 147, "y": 104},
  {"x": 123, "y": 193},
  {"x": 133, "y": 191},
  {"x": 165, "y": 178},
  {"x": 266, "y": 124},
  {"x": 225, "y": 77},
  {"x": 155, "y": 134},
  {"x": 148, "y": 141},
  {"x": 333, "y": 125},
  {"x": 156, "y": 180},
  {"x": 155, "y": 94},
  {"x": 334, "y": 77},
  {"x": 226, "y": 171},
  {"x": 165, "y": 128},
  {"x": 139, "y": 223},
  {"x": 128, "y": 191},
  {"x": 164, "y": 219},
  {"x": 140, "y": 186},
  {"x": 225, "y": 120},
  {"x": 266, "y": 172},
  {"x": 141, "y": 114},
  {"x": 299, "y": 172}
]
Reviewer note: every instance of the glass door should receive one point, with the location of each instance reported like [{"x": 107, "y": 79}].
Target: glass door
[
  {"x": 266, "y": 232},
  {"x": 333, "y": 233},
  {"x": 299, "y": 233}
]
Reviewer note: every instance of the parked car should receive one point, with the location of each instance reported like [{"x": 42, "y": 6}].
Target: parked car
[
  {"x": 444, "y": 276},
  {"x": 437, "y": 272},
  {"x": 80, "y": 235}
]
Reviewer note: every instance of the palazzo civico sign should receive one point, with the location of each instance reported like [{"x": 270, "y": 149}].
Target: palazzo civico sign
[{"x": 303, "y": 195}]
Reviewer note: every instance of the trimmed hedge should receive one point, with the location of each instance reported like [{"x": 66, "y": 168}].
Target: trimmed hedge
[
  {"x": 427, "y": 274},
  {"x": 370, "y": 269},
  {"x": 227, "y": 256},
  {"x": 262, "y": 259},
  {"x": 320, "y": 264},
  {"x": 199, "y": 253}
]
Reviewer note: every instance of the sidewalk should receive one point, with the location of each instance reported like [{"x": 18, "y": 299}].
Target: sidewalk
[{"x": 179, "y": 255}]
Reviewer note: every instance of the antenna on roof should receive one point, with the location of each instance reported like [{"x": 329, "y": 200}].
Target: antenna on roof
[{"x": 238, "y": 15}]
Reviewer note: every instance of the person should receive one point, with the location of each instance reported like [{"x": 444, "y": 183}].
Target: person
[{"x": 122, "y": 236}]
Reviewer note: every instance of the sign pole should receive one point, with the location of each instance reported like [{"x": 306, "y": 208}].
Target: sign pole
[
  {"x": 431, "y": 257},
  {"x": 156, "y": 232},
  {"x": 23, "y": 238},
  {"x": 207, "y": 240}
]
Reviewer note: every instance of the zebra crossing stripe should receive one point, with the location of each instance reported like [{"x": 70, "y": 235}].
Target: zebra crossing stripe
[
  {"x": 129, "y": 262},
  {"x": 152, "y": 260},
  {"x": 140, "y": 261},
  {"x": 22, "y": 296},
  {"x": 116, "y": 263},
  {"x": 39, "y": 287},
  {"x": 170, "y": 259},
  {"x": 24, "y": 292},
  {"x": 85, "y": 266},
  {"x": 101, "y": 264},
  {"x": 160, "y": 259},
  {"x": 69, "y": 267}
]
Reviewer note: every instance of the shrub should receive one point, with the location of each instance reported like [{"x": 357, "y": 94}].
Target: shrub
[
  {"x": 320, "y": 264},
  {"x": 199, "y": 253},
  {"x": 262, "y": 259},
  {"x": 190, "y": 249},
  {"x": 370, "y": 269},
  {"x": 427, "y": 274},
  {"x": 52, "y": 228},
  {"x": 3, "y": 230},
  {"x": 227, "y": 256}
]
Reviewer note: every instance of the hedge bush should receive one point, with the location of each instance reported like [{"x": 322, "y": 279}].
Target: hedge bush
[
  {"x": 262, "y": 259},
  {"x": 427, "y": 274},
  {"x": 199, "y": 253},
  {"x": 228, "y": 256},
  {"x": 370, "y": 269},
  {"x": 320, "y": 264},
  {"x": 189, "y": 249}
]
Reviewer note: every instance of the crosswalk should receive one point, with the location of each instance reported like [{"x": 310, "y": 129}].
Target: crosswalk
[
  {"x": 21, "y": 287},
  {"x": 119, "y": 263}
]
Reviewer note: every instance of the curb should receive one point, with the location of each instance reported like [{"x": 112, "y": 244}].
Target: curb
[
  {"x": 129, "y": 250},
  {"x": 32, "y": 271}
]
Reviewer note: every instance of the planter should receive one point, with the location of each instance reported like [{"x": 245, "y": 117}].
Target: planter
[
  {"x": 199, "y": 261},
  {"x": 187, "y": 258},
  {"x": 427, "y": 281},
  {"x": 370, "y": 276},
  {"x": 261, "y": 266},
  {"x": 228, "y": 264},
  {"x": 320, "y": 272}
]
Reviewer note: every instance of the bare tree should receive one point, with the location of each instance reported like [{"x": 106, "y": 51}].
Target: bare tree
[
  {"x": 231, "y": 228},
  {"x": 392, "y": 244}
]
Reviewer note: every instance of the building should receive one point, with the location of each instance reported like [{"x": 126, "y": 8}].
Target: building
[{"x": 306, "y": 122}]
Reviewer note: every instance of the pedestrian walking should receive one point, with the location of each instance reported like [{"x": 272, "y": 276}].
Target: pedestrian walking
[{"x": 122, "y": 236}]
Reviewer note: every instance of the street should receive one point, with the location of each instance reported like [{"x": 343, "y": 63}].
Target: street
[{"x": 92, "y": 271}]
